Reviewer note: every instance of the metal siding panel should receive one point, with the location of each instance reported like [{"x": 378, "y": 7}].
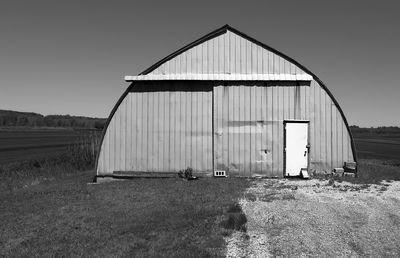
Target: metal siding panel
[
  {"x": 275, "y": 128},
  {"x": 161, "y": 165},
  {"x": 291, "y": 102},
  {"x": 257, "y": 157},
  {"x": 259, "y": 57},
  {"x": 138, "y": 130},
  {"x": 145, "y": 139},
  {"x": 201, "y": 109},
  {"x": 243, "y": 139},
  {"x": 204, "y": 57},
  {"x": 214, "y": 55},
  {"x": 173, "y": 131},
  {"x": 221, "y": 54},
  {"x": 189, "y": 131},
  {"x": 142, "y": 143},
  {"x": 152, "y": 132},
  {"x": 206, "y": 148},
  {"x": 277, "y": 63},
  {"x": 112, "y": 141},
  {"x": 271, "y": 63},
  {"x": 281, "y": 65},
  {"x": 106, "y": 150},
  {"x": 339, "y": 139},
  {"x": 218, "y": 127},
  {"x": 334, "y": 137},
  {"x": 227, "y": 53},
  {"x": 122, "y": 142},
  {"x": 265, "y": 62},
  {"x": 286, "y": 103},
  {"x": 237, "y": 134},
  {"x": 318, "y": 127},
  {"x": 167, "y": 133},
  {"x": 237, "y": 55},
  {"x": 323, "y": 130},
  {"x": 185, "y": 127},
  {"x": 254, "y": 63},
  {"x": 232, "y": 134},
  {"x": 248, "y": 65},
  {"x": 108, "y": 153},
  {"x": 257, "y": 142},
  {"x": 225, "y": 125},
  {"x": 210, "y": 57},
  {"x": 197, "y": 61},
  {"x": 180, "y": 148},
  {"x": 232, "y": 53},
  {"x": 133, "y": 133},
  {"x": 328, "y": 139},
  {"x": 242, "y": 55},
  {"x": 209, "y": 130},
  {"x": 247, "y": 129},
  {"x": 128, "y": 154},
  {"x": 299, "y": 102},
  {"x": 269, "y": 130},
  {"x": 194, "y": 134},
  {"x": 280, "y": 119},
  {"x": 251, "y": 132},
  {"x": 118, "y": 152},
  {"x": 311, "y": 116},
  {"x": 179, "y": 125}
]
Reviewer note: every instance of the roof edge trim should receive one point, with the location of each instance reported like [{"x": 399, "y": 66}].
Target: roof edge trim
[{"x": 220, "y": 77}]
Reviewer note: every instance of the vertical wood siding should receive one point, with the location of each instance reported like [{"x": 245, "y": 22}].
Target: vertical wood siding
[
  {"x": 160, "y": 131},
  {"x": 227, "y": 53},
  {"x": 249, "y": 130}
]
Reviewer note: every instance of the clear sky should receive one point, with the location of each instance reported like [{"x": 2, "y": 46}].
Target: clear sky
[{"x": 70, "y": 57}]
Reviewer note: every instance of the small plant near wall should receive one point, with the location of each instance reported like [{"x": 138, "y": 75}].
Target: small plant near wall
[{"x": 187, "y": 174}]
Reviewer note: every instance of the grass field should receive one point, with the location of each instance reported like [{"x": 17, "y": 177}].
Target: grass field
[
  {"x": 378, "y": 147},
  {"x": 66, "y": 217},
  {"x": 48, "y": 209},
  {"x": 18, "y": 145}
]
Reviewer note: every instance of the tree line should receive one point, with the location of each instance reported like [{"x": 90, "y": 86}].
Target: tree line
[
  {"x": 9, "y": 118},
  {"x": 375, "y": 130}
]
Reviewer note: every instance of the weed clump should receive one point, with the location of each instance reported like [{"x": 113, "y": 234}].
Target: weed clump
[{"x": 187, "y": 174}]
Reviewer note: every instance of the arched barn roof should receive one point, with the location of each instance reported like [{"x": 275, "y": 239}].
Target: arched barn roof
[{"x": 297, "y": 69}]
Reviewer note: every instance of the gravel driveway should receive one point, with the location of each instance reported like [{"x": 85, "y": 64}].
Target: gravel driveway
[{"x": 298, "y": 218}]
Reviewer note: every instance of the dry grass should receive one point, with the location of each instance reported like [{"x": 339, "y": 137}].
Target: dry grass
[{"x": 316, "y": 218}]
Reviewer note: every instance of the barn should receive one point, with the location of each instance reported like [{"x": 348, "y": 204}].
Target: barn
[{"x": 229, "y": 103}]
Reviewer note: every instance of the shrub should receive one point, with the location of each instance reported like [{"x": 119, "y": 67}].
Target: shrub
[{"x": 187, "y": 173}]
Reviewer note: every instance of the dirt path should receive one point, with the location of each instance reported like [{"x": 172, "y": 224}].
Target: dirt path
[{"x": 319, "y": 218}]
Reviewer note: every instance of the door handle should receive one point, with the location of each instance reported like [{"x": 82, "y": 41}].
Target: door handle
[{"x": 305, "y": 153}]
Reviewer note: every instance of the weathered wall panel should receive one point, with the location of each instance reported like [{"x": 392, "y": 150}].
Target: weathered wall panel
[
  {"x": 249, "y": 129},
  {"x": 228, "y": 53},
  {"x": 162, "y": 130}
]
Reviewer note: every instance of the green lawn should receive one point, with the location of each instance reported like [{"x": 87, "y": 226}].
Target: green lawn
[{"x": 143, "y": 217}]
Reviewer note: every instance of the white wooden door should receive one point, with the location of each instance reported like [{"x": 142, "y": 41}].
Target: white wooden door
[{"x": 296, "y": 147}]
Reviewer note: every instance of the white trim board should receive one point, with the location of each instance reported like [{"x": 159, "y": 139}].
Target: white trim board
[{"x": 220, "y": 77}]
